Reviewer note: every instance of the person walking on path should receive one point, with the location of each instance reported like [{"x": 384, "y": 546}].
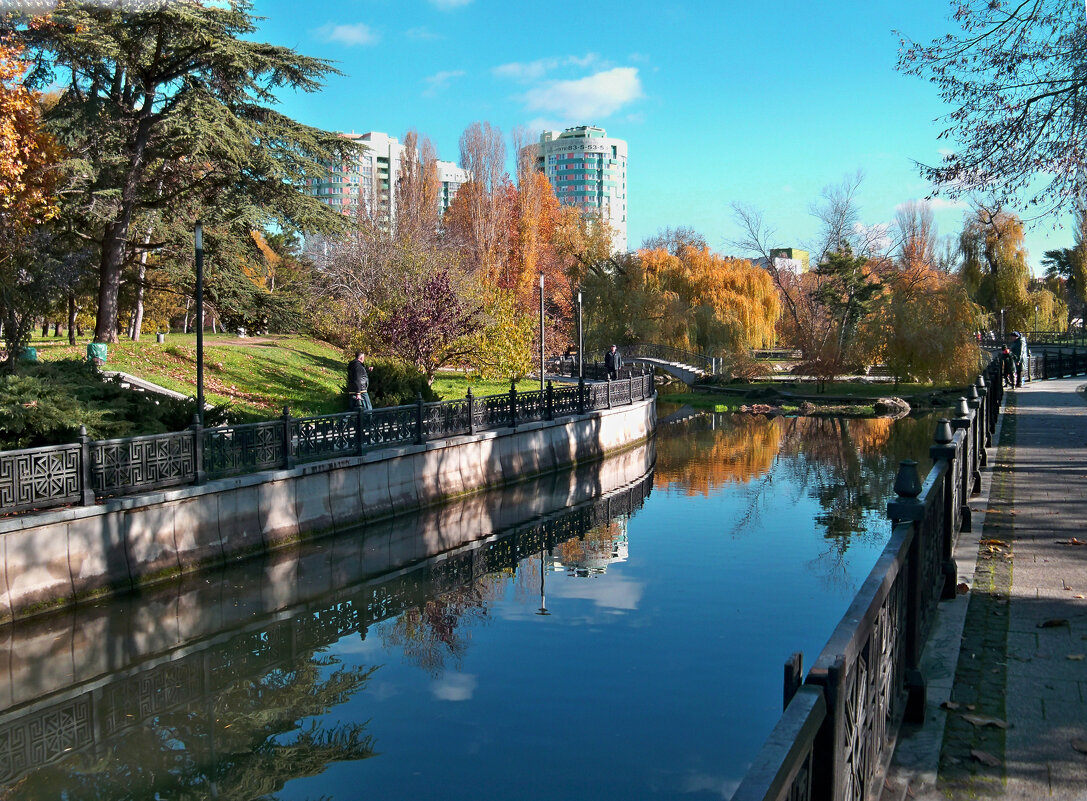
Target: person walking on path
[
  {"x": 613, "y": 362},
  {"x": 1019, "y": 353},
  {"x": 358, "y": 380},
  {"x": 1007, "y": 367}
]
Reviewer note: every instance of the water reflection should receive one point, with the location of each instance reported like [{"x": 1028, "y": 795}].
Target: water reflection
[
  {"x": 221, "y": 686},
  {"x": 634, "y": 643},
  {"x": 847, "y": 464}
]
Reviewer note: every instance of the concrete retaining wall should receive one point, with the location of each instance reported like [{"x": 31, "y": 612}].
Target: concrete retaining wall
[
  {"x": 55, "y": 656},
  {"x": 54, "y": 558}
]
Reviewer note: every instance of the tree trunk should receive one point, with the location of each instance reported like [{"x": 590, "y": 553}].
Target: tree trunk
[
  {"x": 56, "y": 328},
  {"x": 185, "y": 323},
  {"x": 45, "y": 328},
  {"x": 109, "y": 282},
  {"x": 71, "y": 319},
  {"x": 137, "y": 314}
]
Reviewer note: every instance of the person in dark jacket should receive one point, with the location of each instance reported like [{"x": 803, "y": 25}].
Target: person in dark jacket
[
  {"x": 613, "y": 362},
  {"x": 358, "y": 380},
  {"x": 1019, "y": 354},
  {"x": 1007, "y": 367}
]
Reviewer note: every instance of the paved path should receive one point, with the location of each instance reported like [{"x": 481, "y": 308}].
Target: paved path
[{"x": 1012, "y": 650}]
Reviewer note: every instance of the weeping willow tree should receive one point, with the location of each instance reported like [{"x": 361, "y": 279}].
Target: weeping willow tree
[
  {"x": 994, "y": 267},
  {"x": 690, "y": 298}
]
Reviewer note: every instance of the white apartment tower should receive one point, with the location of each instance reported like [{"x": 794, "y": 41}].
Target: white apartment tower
[
  {"x": 588, "y": 169},
  {"x": 372, "y": 177}
]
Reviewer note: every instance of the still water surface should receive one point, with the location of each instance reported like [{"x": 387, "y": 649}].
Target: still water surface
[{"x": 626, "y": 648}]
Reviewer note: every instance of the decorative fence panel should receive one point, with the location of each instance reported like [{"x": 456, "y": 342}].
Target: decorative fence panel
[
  {"x": 135, "y": 463},
  {"x": 35, "y": 478},
  {"x": 326, "y": 437},
  {"x": 246, "y": 448}
]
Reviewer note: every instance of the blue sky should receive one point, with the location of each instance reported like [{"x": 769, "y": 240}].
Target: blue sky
[{"x": 760, "y": 103}]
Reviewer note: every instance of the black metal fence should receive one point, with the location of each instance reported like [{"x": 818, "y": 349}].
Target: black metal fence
[
  {"x": 833, "y": 740},
  {"x": 81, "y": 472}
]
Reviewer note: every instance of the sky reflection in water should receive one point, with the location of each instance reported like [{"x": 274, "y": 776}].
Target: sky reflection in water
[{"x": 642, "y": 661}]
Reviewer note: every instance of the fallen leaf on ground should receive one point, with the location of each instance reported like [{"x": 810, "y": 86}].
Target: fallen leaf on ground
[
  {"x": 1053, "y": 623},
  {"x": 985, "y": 720},
  {"x": 1072, "y": 541},
  {"x": 962, "y": 588},
  {"x": 950, "y": 705},
  {"x": 1075, "y": 657},
  {"x": 985, "y": 758},
  {"x": 999, "y": 543},
  {"x": 1080, "y": 745}
]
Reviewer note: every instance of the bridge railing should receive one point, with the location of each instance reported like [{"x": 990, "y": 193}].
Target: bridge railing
[
  {"x": 87, "y": 470},
  {"x": 701, "y": 361},
  {"x": 834, "y": 739}
]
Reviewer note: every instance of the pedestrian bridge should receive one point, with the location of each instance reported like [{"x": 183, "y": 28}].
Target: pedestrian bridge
[{"x": 685, "y": 365}]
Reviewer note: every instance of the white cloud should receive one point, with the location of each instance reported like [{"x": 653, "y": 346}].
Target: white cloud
[
  {"x": 609, "y": 591},
  {"x": 422, "y": 34},
  {"x": 439, "y": 80},
  {"x": 528, "y": 71},
  {"x": 350, "y": 35},
  {"x": 587, "y": 99},
  {"x": 456, "y": 687}
]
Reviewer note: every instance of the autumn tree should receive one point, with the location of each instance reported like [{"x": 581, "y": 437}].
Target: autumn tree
[
  {"x": 1066, "y": 271},
  {"x": 1013, "y": 76},
  {"x": 36, "y": 269},
  {"x": 994, "y": 266},
  {"x": 168, "y": 105},
  {"x": 922, "y": 326},
  {"x": 478, "y": 217}
]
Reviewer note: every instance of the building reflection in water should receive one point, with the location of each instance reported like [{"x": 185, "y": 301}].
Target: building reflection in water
[{"x": 219, "y": 686}]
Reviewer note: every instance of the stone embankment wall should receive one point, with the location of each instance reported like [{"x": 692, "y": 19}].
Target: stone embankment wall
[
  {"x": 51, "y": 559},
  {"x": 74, "y": 657}
]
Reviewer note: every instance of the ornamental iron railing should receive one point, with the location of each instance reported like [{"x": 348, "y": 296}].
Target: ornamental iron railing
[
  {"x": 81, "y": 472},
  {"x": 834, "y": 739}
]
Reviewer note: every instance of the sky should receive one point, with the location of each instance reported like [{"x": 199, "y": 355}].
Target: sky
[{"x": 760, "y": 103}]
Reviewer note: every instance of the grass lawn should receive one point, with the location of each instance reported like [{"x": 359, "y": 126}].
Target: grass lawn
[{"x": 257, "y": 376}]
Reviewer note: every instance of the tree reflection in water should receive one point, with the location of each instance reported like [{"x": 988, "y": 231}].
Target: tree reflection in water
[
  {"x": 847, "y": 464},
  {"x": 243, "y": 742}
]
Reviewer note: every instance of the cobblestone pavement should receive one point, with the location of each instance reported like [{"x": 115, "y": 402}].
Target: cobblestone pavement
[{"x": 1006, "y": 666}]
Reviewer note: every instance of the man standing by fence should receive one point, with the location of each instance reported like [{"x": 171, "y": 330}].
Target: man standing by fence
[
  {"x": 358, "y": 380},
  {"x": 613, "y": 362}
]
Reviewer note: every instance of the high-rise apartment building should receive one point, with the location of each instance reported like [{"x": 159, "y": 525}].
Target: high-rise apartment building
[
  {"x": 372, "y": 177},
  {"x": 588, "y": 169}
]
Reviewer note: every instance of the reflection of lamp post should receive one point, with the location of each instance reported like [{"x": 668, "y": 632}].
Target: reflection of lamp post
[
  {"x": 199, "y": 236},
  {"x": 580, "y": 359},
  {"x": 541, "y": 334},
  {"x": 543, "y": 600}
]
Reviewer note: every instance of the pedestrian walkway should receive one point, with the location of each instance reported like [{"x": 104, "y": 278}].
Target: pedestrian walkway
[{"x": 1007, "y": 663}]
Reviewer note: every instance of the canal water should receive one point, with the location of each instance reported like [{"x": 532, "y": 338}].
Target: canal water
[{"x": 611, "y": 632}]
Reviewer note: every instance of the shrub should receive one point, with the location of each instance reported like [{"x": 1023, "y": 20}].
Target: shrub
[
  {"x": 46, "y": 403},
  {"x": 394, "y": 383}
]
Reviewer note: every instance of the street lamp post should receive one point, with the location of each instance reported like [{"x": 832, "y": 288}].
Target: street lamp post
[
  {"x": 1002, "y": 325},
  {"x": 580, "y": 358},
  {"x": 541, "y": 333},
  {"x": 199, "y": 237},
  {"x": 1036, "y": 319}
]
